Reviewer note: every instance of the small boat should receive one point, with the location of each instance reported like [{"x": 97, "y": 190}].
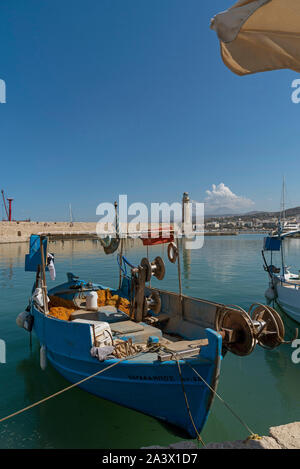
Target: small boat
[
  {"x": 284, "y": 286},
  {"x": 152, "y": 350}
]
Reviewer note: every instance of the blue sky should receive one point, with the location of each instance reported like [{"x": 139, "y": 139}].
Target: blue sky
[{"x": 108, "y": 97}]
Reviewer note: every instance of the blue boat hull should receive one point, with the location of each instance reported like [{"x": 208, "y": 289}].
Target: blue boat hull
[{"x": 142, "y": 383}]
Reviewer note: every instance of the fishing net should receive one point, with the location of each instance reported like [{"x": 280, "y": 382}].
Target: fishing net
[{"x": 105, "y": 298}]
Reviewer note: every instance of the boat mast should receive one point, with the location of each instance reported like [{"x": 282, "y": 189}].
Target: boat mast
[
  {"x": 281, "y": 224},
  {"x": 282, "y": 208}
]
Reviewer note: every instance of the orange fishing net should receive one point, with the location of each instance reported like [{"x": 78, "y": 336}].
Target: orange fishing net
[
  {"x": 105, "y": 298},
  {"x": 60, "y": 308}
]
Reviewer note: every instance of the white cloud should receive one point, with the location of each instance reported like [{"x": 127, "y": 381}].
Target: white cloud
[{"x": 222, "y": 199}]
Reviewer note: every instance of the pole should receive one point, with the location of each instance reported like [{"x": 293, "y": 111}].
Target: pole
[
  {"x": 44, "y": 286},
  {"x": 179, "y": 276},
  {"x": 282, "y": 259},
  {"x": 121, "y": 263},
  {"x": 4, "y": 203},
  {"x": 9, "y": 208},
  {"x": 281, "y": 248}
]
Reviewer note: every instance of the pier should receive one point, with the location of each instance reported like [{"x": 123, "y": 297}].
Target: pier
[
  {"x": 281, "y": 437},
  {"x": 20, "y": 231}
]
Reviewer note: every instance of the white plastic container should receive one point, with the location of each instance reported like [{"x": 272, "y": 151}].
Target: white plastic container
[{"x": 92, "y": 301}]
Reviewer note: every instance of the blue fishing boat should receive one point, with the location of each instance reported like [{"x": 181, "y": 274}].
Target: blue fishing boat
[{"x": 152, "y": 350}]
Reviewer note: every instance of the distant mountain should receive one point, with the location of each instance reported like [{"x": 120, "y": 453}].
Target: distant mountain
[{"x": 290, "y": 212}]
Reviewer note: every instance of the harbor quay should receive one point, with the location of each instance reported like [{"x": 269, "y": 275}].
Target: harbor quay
[
  {"x": 280, "y": 437},
  {"x": 20, "y": 231}
]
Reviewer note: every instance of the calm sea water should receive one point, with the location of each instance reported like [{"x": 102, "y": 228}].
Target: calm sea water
[{"x": 262, "y": 388}]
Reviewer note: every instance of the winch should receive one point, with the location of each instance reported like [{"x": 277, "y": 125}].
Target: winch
[
  {"x": 140, "y": 304},
  {"x": 242, "y": 331}
]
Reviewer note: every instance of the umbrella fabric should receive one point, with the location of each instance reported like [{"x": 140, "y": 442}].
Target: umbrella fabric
[{"x": 260, "y": 35}]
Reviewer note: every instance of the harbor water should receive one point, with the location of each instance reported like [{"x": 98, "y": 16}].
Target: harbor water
[{"x": 263, "y": 388}]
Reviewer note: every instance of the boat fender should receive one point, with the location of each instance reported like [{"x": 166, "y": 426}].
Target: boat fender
[
  {"x": 172, "y": 253},
  {"x": 43, "y": 357},
  {"x": 25, "y": 321},
  {"x": 270, "y": 294},
  {"x": 21, "y": 319},
  {"x": 28, "y": 323}
]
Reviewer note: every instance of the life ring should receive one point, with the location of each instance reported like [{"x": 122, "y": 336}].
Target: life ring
[{"x": 172, "y": 253}]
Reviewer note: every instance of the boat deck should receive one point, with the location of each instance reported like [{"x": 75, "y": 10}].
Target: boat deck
[
  {"x": 123, "y": 328},
  {"x": 294, "y": 284}
]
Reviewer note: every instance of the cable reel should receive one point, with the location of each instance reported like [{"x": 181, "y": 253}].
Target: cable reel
[
  {"x": 152, "y": 303},
  {"x": 237, "y": 330},
  {"x": 155, "y": 268},
  {"x": 242, "y": 331},
  {"x": 268, "y": 324},
  {"x": 140, "y": 305}
]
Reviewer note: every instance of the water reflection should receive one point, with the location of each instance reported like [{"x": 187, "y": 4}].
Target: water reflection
[
  {"x": 186, "y": 255},
  {"x": 286, "y": 375},
  {"x": 263, "y": 388},
  {"x": 81, "y": 419}
]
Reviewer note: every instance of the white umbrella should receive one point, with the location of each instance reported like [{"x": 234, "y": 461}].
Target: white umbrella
[{"x": 260, "y": 35}]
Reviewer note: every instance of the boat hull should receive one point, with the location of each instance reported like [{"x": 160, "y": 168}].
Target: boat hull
[
  {"x": 142, "y": 383},
  {"x": 289, "y": 300}
]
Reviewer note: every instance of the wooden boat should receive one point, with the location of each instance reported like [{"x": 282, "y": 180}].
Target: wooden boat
[{"x": 174, "y": 344}]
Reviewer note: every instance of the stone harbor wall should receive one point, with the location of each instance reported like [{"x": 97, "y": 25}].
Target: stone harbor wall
[
  {"x": 282, "y": 437},
  {"x": 16, "y": 232},
  {"x": 20, "y": 231}
]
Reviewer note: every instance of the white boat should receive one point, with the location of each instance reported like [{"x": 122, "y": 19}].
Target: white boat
[
  {"x": 284, "y": 286},
  {"x": 289, "y": 226}
]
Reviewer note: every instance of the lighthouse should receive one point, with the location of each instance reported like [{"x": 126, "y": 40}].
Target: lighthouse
[{"x": 186, "y": 213}]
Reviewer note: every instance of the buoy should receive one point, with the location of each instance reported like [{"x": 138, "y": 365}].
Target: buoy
[
  {"x": 43, "y": 357},
  {"x": 92, "y": 301}
]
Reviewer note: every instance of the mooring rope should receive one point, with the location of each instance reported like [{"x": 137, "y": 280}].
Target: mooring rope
[
  {"x": 199, "y": 438},
  {"x": 253, "y": 436},
  {"x": 70, "y": 387}
]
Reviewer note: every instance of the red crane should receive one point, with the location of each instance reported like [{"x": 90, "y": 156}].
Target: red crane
[{"x": 9, "y": 200}]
